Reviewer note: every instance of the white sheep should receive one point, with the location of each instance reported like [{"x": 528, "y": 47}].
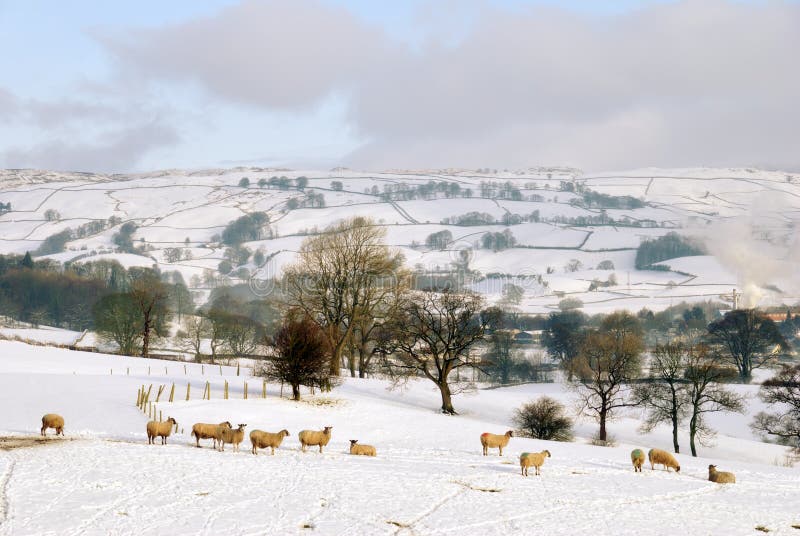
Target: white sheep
[
  {"x": 495, "y": 441},
  {"x": 720, "y": 477},
  {"x": 203, "y": 430},
  {"x": 536, "y": 459},
  {"x": 363, "y": 450},
  {"x": 658, "y": 456},
  {"x": 314, "y": 437},
  {"x": 262, "y": 440},
  {"x": 161, "y": 429},
  {"x": 234, "y": 437},
  {"x": 53, "y": 420}
]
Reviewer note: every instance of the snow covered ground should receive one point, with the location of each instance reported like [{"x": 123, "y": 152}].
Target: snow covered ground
[{"x": 428, "y": 478}]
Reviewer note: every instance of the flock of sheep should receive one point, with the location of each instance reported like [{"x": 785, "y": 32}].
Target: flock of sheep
[
  {"x": 224, "y": 433},
  {"x": 656, "y": 457}
]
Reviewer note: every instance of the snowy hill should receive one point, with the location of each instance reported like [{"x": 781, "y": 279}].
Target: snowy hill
[
  {"x": 428, "y": 478},
  {"x": 747, "y": 219}
]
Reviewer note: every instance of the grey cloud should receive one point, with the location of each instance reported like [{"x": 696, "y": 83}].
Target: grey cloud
[
  {"x": 272, "y": 53},
  {"x": 118, "y": 150},
  {"x": 698, "y": 82}
]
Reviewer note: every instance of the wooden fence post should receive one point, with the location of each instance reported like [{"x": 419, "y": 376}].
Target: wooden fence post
[
  {"x": 245, "y": 390},
  {"x": 207, "y": 393},
  {"x": 188, "y": 388},
  {"x": 160, "y": 390},
  {"x": 172, "y": 393},
  {"x": 264, "y": 389},
  {"x": 226, "y": 390},
  {"x": 237, "y": 368}
]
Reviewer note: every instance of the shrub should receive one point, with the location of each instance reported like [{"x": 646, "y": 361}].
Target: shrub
[{"x": 544, "y": 419}]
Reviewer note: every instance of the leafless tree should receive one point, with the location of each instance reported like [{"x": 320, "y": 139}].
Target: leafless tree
[
  {"x": 300, "y": 355},
  {"x": 340, "y": 277},
  {"x": 432, "y": 337},
  {"x": 783, "y": 391},
  {"x": 666, "y": 392},
  {"x": 609, "y": 358},
  {"x": 748, "y": 339},
  {"x": 705, "y": 368}
]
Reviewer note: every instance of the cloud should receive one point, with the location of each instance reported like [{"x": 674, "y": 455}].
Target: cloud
[
  {"x": 273, "y": 53},
  {"x": 113, "y": 151},
  {"x": 699, "y": 82}
]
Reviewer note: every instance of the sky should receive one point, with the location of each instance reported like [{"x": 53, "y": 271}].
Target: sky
[{"x": 600, "y": 85}]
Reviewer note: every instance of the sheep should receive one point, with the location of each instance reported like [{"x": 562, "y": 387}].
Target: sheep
[
  {"x": 161, "y": 429},
  {"x": 263, "y": 440},
  {"x": 658, "y": 456},
  {"x": 52, "y": 420},
  {"x": 314, "y": 437},
  {"x": 495, "y": 441},
  {"x": 720, "y": 477},
  {"x": 536, "y": 459},
  {"x": 234, "y": 437},
  {"x": 637, "y": 457},
  {"x": 202, "y": 430},
  {"x": 364, "y": 450}
]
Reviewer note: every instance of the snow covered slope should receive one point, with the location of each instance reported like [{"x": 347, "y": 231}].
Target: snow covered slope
[
  {"x": 428, "y": 478},
  {"x": 747, "y": 217}
]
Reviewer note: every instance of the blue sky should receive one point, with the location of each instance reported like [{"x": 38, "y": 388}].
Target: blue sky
[{"x": 131, "y": 86}]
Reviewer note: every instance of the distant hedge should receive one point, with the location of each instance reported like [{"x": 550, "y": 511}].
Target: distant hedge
[{"x": 669, "y": 246}]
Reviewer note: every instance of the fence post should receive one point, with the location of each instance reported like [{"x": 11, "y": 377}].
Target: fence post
[
  {"x": 203, "y": 370},
  {"x": 148, "y": 370},
  {"x": 264, "y": 389},
  {"x": 138, "y": 397},
  {"x": 128, "y": 371},
  {"x": 165, "y": 372},
  {"x": 160, "y": 390},
  {"x": 184, "y": 370},
  {"x": 160, "y": 418},
  {"x": 220, "y": 370},
  {"x": 207, "y": 393},
  {"x": 188, "y": 387},
  {"x": 172, "y": 393},
  {"x": 226, "y": 390},
  {"x": 237, "y": 368},
  {"x": 245, "y": 390}
]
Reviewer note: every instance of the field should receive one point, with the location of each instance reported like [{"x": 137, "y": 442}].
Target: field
[
  {"x": 429, "y": 476},
  {"x": 189, "y": 209}
]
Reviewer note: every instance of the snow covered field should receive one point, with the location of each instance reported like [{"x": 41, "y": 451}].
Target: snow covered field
[
  {"x": 760, "y": 210},
  {"x": 428, "y": 478}
]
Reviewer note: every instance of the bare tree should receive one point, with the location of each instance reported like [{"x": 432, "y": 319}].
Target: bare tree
[
  {"x": 666, "y": 394},
  {"x": 196, "y": 328},
  {"x": 749, "y": 339},
  {"x": 300, "y": 355},
  {"x": 150, "y": 296},
  {"x": 608, "y": 359},
  {"x": 432, "y": 336},
  {"x": 783, "y": 391},
  {"x": 706, "y": 395},
  {"x": 340, "y": 276}
]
